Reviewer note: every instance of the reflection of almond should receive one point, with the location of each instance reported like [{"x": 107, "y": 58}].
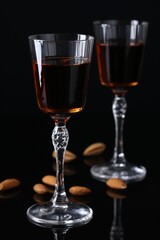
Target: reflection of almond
[
  {"x": 94, "y": 149},
  {"x": 9, "y": 194},
  {"x": 40, "y": 198},
  {"x": 116, "y": 183},
  {"x": 49, "y": 180},
  {"x": 9, "y": 184},
  {"x": 68, "y": 169},
  {"x": 94, "y": 160},
  {"x": 83, "y": 199},
  {"x": 68, "y": 157},
  {"x": 115, "y": 194},
  {"x": 79, "y": 190}
]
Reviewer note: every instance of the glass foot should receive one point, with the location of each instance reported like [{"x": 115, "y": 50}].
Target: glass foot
[
  {"x": 50, "y": 214},
  {"x": 127, "y": 172}
]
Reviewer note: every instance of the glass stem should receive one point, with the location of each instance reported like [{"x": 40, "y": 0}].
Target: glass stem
[
  {"x": 60, "y": 138},
  {"x": 119, "y": 108}
]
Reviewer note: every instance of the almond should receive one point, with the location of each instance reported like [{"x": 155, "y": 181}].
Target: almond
[
  {"x": 9, "y": 184},
  {"x": 68, "y": 157},
  {"x": 79, "y": 190},
  {"x": 116, "y": 183},
  {"x": 41, "y": 189},
  {"x": 94, "y": 149},
  {"x": 49, "y": 180}
]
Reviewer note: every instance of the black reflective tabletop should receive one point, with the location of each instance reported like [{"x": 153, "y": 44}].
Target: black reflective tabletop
[{"x": 26, "y": 154}]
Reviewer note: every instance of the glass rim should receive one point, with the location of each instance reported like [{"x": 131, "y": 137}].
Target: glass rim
[
  {"x": 121, "y": 22},
  {"x": 51, "y": 37}
]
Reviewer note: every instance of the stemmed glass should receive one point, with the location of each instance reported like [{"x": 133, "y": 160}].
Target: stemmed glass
[
  {"x": 120, "y": 49},
  {"x": 61, "y": 66}
]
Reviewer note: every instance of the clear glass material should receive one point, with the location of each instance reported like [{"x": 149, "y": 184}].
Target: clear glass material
[
  {"x": 120, "y": 50},
  {"x": 61, "y": 66},
  {"x": 116, "y": 231}
]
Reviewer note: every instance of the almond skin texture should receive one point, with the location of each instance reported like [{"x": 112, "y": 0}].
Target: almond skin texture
[
  {"x": 49, "y": 180},
  {"x": 116, "y": 183},
  {"x": 41, "y": 189},
  {"x": 9, "y": 183},
  {"x": 79, "y": 190},
  {"x": 94, "y": 149},
  {"x": 68, "y": 157}
]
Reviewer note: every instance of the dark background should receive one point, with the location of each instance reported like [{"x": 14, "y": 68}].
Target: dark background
[
  {"x": 19, "y": 19},
  {"x": 25, "y": 132},
  {"x": 23, "y": 125}
]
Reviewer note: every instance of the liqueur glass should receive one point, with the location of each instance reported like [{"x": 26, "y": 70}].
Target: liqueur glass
[
  {"x": 61, "y": 66},
  {"x": 120, "y": 48}
]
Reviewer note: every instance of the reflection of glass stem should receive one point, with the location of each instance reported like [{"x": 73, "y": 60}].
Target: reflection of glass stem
[
  {"x": 119, "y": 108},
  {"x": 59, "y": 233},
  {"x": 116, "y": 232}
]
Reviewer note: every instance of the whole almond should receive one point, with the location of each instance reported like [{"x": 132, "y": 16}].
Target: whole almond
[
  {"x": 94, "y": 149},
  {"x": 49, "y": 180},
  {"x": 79, "y": 190},
  {"x": 9, "y": 183},
  {"x": 68, "y": 157},
  {"x": 41, "y": 189},
  {"x": 116, "y": 183}
]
